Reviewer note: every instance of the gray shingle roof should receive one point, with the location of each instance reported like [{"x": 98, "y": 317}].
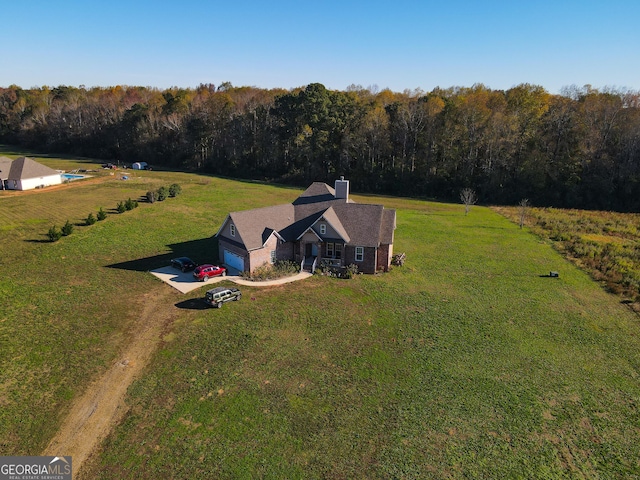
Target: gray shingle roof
[
  {"x": 5, "y": 167},
  {"x": 365, "y": 225},
  {"x": 317, "y": 192},
  {"x": 23, "y": 168},
  {"x": 332, "y": 218},
  {"x": 388, "y": 226},
  {"x": 362, "y": 221},
  {"x": 251, "y": 224}
]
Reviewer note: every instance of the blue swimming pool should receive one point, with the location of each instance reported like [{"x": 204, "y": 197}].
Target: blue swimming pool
[{"x": 71, "y": 176}]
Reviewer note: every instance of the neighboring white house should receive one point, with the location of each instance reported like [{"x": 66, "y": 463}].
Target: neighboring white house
[
  {"x": 5, "y": 168},
  {"x": 139, "y": 166},
  {"x": 26, "y": 174}
]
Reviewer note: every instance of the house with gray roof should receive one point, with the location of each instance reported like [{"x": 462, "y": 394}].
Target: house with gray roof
[
  {"x": 26, "y": 174},
  {"x": 322, "y": 224},
  {"x": 5, "y": 167}
]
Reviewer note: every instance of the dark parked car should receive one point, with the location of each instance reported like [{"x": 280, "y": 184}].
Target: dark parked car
[
  {"x": 205, "y": 272},
  {"x": 183, "y": 263},
  {"x": 217, "y": 296}
]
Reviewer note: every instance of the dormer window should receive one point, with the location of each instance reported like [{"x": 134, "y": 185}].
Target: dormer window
[
  {"x": 232, "y": 230},
  {"x": 323, "y": 229}
]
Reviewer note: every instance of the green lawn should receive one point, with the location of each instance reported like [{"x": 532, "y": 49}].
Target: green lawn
[
  {"x": 465, "y": 363},
  {"x": 65, "y": 313}
]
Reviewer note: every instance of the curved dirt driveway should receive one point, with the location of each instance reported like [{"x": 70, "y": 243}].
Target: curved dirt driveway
[
  {"x": 102, "y": 406},
  {"x": 93, "y": 415}
]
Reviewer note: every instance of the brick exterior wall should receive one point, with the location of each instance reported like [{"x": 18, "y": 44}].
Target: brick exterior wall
[
  {"x": 385, "y": 253},
  {"x": 284, "y": 251},
  {"x": 368, "y": 265},
  {"x": 259, "y": 257},
  {"x": 373, "y": 260}
]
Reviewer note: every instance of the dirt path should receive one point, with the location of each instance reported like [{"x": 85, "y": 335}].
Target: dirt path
[{"x": 101, "y": 407}]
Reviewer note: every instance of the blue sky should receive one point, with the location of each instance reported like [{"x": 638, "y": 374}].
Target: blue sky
[{"x": 396, "y": 44}]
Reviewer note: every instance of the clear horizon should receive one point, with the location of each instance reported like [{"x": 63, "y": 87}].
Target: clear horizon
[{"x": 407, "y": 45}]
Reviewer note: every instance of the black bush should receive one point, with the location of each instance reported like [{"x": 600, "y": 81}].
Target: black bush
[
  {"x": 175, "y": 190},
  {"x": 163, "y": 193},
  {"x": 130, "y": 204},
  {"x": 54, "y": 234},
  {"x": 67, "y": 229}
]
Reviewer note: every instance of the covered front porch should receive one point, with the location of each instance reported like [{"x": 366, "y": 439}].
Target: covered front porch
[{"x": 311, "y": 253}]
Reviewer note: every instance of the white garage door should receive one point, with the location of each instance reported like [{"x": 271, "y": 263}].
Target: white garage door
[{"x": 234, "y": 261}]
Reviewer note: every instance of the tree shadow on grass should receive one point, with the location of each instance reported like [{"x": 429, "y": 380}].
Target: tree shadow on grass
[
  {"x": 41, "y": 240},
  {"x": 20, "y": 151},
  {"x": 80, "y": 224},
  {"x": 204, "y": 250}
]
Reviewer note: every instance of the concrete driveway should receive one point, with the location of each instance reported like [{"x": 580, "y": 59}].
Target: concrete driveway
[{"x": 185, "y": 283}]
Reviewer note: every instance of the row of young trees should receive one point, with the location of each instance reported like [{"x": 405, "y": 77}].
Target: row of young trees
[{"x": 577, "y": 149}]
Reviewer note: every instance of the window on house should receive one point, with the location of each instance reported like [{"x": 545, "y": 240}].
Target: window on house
[
  {"x": 330, "y": 250},
  {"x": 359, "y": 254},
  {"x": 273, "y": 256},
  {"x": 323, "y": 229},
  {"x": 232, "y": 229},
  {"x": 338, "y": 250}
]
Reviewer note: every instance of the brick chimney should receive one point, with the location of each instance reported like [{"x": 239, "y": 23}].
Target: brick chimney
[{"x": 342, "y": 189}]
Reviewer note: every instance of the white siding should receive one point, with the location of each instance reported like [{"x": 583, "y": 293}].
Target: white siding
[{"x": 31, "y": 183}]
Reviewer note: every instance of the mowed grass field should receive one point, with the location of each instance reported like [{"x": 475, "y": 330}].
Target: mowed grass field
[
  {"x": 606, "y": 244},
  {"x": 465, "y": 363},
  {"x": 64, "y": 312}
]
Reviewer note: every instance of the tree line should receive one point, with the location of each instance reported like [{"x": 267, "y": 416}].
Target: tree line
[{"x": 579, "y": 149}]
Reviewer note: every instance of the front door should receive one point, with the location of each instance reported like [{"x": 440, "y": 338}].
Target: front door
[{"x": 307, "y": 250}]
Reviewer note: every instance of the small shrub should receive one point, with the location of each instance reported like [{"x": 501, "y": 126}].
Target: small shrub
[
  {"x": 67, "y": 229},
  {"x": 121, "y": 208},
  {"x": 101, "y": 214},
  {"x": 54, "y": 234},
  {"x": 90, "y": 219},
  {"x": 263, "y": 272},
  {"x": 350, "y": 271},
  {"x": 175, "y": 190},
  {"x": 151, "y": 196},
  {"x": 323, "y": 268},
  {"x": 326, "y": 268},
  {"x": 162, "y": 194},
  {"x": 130, "y": 204},
  {"x": 284, "y": 268},
  {"x": 267, "y": 271}
]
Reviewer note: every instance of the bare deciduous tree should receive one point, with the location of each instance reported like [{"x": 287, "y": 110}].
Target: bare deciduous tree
[
  {"x": 468, "y": 197},
  {"x": 523, "y": 208}
]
